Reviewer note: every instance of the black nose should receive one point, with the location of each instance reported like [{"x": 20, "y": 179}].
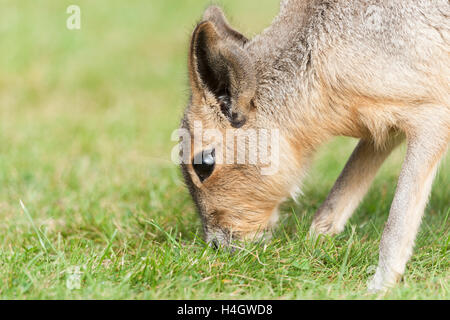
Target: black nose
[
  {"x": 237, "y": 120},
  {"x": 215, "y": 244},
  {"x": 204, "y": 164}
]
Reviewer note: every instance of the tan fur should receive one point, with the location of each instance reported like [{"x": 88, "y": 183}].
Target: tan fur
[{"x": 322, "y": 69}]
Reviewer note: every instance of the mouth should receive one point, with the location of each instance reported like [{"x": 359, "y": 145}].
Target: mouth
[
  {"x": 226, "y": 246},
  {"x": 218, "y": 238}
]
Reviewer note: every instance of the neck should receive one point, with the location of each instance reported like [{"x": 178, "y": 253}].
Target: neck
[{"x": 292, "y": 94}]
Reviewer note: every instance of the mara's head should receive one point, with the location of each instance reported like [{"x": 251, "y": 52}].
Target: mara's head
[{"x": 230, "y": 158}]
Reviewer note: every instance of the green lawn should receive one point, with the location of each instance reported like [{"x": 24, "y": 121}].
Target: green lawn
[{"x": 85, "y": 123}]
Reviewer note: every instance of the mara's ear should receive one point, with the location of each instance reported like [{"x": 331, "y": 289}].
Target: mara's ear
[
  {"x": 216, "y": 15},
  {"x": 221, "y": 68}
]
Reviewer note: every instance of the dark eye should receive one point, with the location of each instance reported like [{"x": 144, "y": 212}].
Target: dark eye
[{"x": 204, "y": 163}]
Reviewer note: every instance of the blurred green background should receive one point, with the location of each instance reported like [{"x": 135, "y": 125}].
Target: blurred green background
[{"x": 85, "y": 123}]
